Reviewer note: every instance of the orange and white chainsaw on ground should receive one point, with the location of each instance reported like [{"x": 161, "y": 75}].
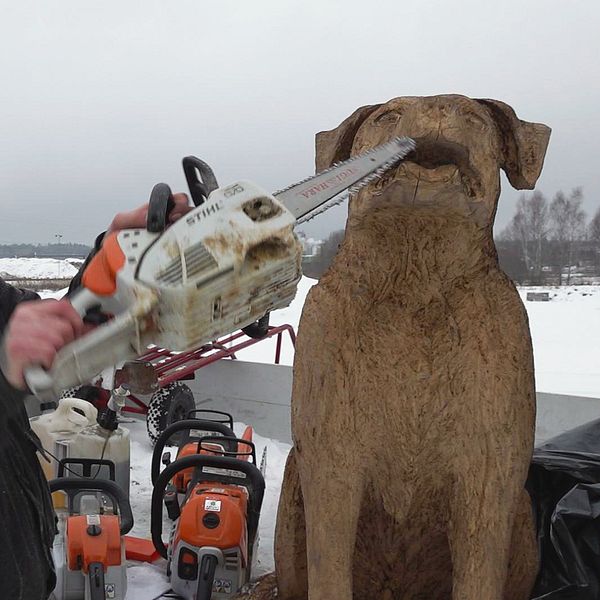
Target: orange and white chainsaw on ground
[
  {"x": 213, "y": 492},
  {"x": 89, "y": 550},
  {"x": 222, "y": 267}
]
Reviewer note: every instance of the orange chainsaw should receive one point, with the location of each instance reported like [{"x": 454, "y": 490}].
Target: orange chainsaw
[
  {"x": 213, "y": 492},
  {"x": 89, "y": 550}
]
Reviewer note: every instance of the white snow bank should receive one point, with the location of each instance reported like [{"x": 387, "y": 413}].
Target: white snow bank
[
  {"x": 36, "y": 268},
  {"x": 565, "y": 333},
  {"x": 566, "y": 339}
]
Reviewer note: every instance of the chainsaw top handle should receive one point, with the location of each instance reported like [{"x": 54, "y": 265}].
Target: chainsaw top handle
[
  {"x": 228, "y": 440},
  {"x": 249, "y": 476},
  {"x": 200, "y": 179},
  {"x": 244, "y": 454},
  {"x": 222, "y": 416},
  {"x": 78, "y": 484}
]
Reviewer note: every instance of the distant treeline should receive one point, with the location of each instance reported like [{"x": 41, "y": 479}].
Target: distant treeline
[
  {"x": 551, "y": 242},
  {"x": 546, "y": 243},
  {"x": 44, "y": 250}
]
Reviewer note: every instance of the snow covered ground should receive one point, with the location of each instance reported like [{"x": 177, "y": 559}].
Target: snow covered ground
[
  {"x": 566, "y": 340},
  {"x": 565, "y": 333},
  {"x": 37, "y": 268}
]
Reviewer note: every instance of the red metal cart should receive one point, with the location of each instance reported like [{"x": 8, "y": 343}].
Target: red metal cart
[{"x": 174, "y": 399}]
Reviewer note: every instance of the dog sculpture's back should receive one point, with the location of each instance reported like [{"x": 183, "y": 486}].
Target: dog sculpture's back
[{"x": 413, "y": 401}]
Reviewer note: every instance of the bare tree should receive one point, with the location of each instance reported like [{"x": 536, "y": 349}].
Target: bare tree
[
  {"x": 568, "y": 227},
  {"x": 594, "y": 236},
  {"x": 530, "y": 227},
  {"x": 594, "y": 227}
]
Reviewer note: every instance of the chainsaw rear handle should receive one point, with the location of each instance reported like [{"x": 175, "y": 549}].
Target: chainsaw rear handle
[
  {"x": 187, "y": 425},
  {"x": 258, "y": 329},
  {"x": 254, "y": 482},
  {"x": 201, "y": 181},
  {"x": 38, "y": 380},
  {"x": 76, "y": 484}
]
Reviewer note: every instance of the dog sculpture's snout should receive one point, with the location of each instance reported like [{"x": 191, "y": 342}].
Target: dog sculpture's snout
[{"x": 431, "y": 154}]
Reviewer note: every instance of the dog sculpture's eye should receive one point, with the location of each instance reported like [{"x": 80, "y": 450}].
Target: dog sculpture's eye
[
  {"x": 476, "y": 121},
  {"x": 390, "y": 117}
]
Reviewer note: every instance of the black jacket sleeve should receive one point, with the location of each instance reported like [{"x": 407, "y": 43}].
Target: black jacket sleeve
[
  {"x": 9, "y": 298},
  {"x": 28, "y": 522}
]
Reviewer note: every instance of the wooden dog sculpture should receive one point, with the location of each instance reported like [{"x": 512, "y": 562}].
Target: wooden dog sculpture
[{"x": 413, "y": 401}]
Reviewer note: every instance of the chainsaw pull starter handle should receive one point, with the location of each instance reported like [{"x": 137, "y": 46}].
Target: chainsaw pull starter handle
[{"x": 160, "y": 205}]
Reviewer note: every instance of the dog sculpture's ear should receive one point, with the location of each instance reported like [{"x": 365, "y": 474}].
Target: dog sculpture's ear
[
  {"x": 336, "y": 145},
  {"x": 524, "y": 145}
]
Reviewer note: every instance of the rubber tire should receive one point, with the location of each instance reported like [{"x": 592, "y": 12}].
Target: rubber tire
[{"x": 168, "y": 405}]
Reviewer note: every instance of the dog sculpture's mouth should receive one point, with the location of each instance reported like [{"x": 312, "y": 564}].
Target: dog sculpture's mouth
[{"x": 441, "y": 162}]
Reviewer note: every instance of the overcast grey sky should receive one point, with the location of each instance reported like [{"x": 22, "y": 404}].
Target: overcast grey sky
[{"x": 100, "y": 100}]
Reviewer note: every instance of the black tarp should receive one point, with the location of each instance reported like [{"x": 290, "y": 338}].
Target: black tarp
[{"x": 564, "y": 484}]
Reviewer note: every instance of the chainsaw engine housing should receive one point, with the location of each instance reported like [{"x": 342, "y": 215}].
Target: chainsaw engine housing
[
  {"x": 222, "y": 266},
  {"x": 212, "y": 524}
]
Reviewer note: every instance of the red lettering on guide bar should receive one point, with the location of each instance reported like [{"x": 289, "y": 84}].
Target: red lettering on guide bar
[{"x": 332, "y": 181}]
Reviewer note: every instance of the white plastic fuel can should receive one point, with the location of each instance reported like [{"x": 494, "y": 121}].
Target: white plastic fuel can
[
  {"x": 57, "y": 430},
  {"x": 98, "y": 443}
]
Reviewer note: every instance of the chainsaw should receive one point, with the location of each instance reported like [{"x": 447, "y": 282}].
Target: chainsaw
[
  {"x": 89, "y": 549},
  {"x": 213, "y": 492},
  {"x": 222, "y": 267}
]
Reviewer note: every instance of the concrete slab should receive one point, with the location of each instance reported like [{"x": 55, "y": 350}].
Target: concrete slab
[
  {"x": 255, "y": 394},
  {"x": 260, "y": 394}
]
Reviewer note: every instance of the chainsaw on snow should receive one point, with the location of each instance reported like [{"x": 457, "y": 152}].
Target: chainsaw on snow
[{"x": 223, "y": 266}]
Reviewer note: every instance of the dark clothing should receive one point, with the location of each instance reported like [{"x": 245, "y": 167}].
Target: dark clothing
[{"x": 27, "y": 521}]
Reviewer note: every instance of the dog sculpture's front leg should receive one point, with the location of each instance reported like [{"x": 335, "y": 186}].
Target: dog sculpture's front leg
[
  {"x": 332, "y": 497},
  {"x": 290, "y": 536},
  {"x": 483, "y": 507}
]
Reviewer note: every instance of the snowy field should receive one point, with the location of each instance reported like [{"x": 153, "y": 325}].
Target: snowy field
[
  {"x": 565, "y": 332},
  {"x": 566, "y": 339},
  {"x": 37, "y": 268}
]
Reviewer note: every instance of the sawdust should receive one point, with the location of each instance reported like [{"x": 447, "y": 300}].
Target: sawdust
[
  {"x": 261, "y": 209},
  {"x": 268, "y": 250},
  {"x": 225, "y": 244},
  {"x": 413, "y": 401},
  {"x": 264, "y": 588}
]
